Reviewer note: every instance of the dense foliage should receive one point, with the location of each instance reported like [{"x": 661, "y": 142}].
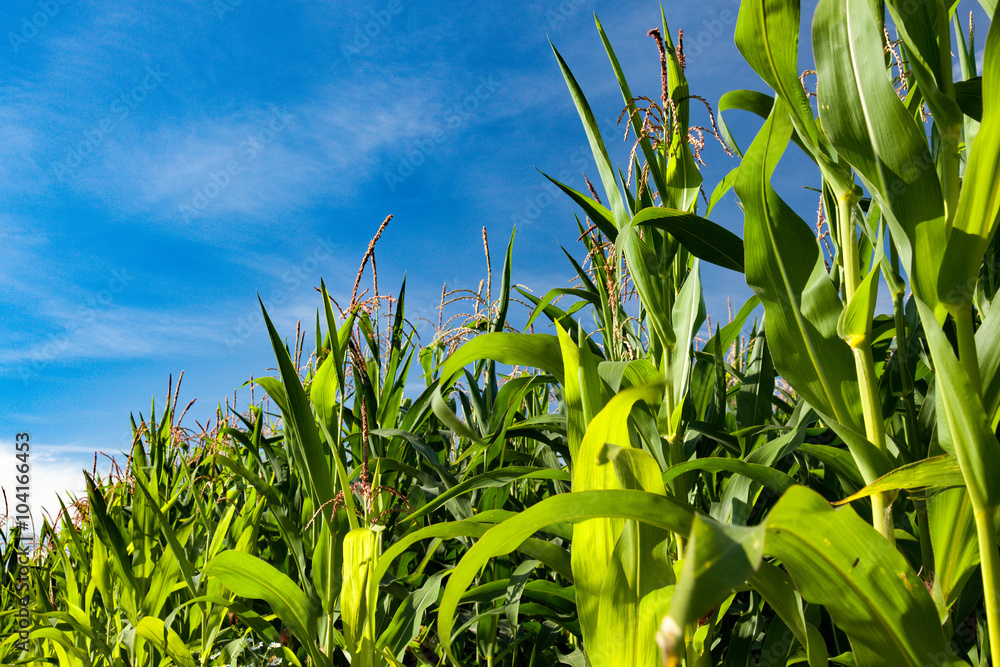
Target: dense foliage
[{"x": 822, "y": 490}]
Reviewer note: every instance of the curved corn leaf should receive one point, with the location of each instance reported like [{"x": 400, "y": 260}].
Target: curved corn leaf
[
  {"x": 718, "y": 559},
  {"x": 801, "y": 305},
  {"x": 872, "y": 594},
  {"x": 534, "y": 350},
  {"x": 503, "y": 538},
  {"x": 974, "y": 441},
  {"x": 939, "y": 472},
  {"x": 921, "y": 26},
  {"x": 358, "y": 595},
  {"x": 169, "y": 642},
  {"x": 775, "y": 480},
  {"x": 250, "y": 577},
  {"x": 953, "y": 538},
  {"x": 493, "y": 478},
  {"x": 870, "y": 128},
  {"x": 777, "y": 589},
  {"x": 741, "y": 100},
  {"x": 767, "y": 35},
  {"x": 548, "y": 553},
  {"x": 702, "y": 238},
  {"x": 594, "y": 540}
]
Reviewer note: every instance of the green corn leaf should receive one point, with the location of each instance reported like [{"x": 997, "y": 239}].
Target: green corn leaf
[
  {"x": 336, "y": 338},
  {"x": 718, "y": 559},
  {"x": 588, "y": 297},
  {"x": 767, "y": 34},
  {"x": 785, "y": 269},
  {"x": 491, "y": 479},
  {"x": 683, "y": 180},
  {"x": 501, "y": 318},
  {"x": 534, "y": 350},
  {"x": 327, "y": 562},
  {"x": 169, "y": 642},
  {"x": 724, "y": 186},
  {"x": 648, "y": 272},
  {"x": 870, "y": 591},
  {"x": 953, "y": 538},
  {"x": 779, "y": 591},
  {"x": 551, "y": 555},
  {"x": 301, "y": 433},
  {"x": 277, "y": 506},
  {"x": 594, "y": 540},
  {"x": 753, "y": 403},
  {"x": 687, "y": 316},
  {"x": 275, "y": 390},
  {"x": 323, "y": 392},
  {"x": 838, "y": 460},
  {"x": 358, "y": 594},
  {"x": 250, "y": 577},
  {"x": 741, "y": 100},
  {"x": 598, "y": 214},
  {"x": 448, "y": 417},
  {"x": 635, "y": 373},
  {"x": 870, "y": 128},
  {"x": 582, "y": 391},
  {"x": 855, "y": 322},
  {"x": 604, "y": 168},
  {"x": 636, "y": 593},
  {"x": 702, "y": 238},
  {"x": 183, "y": 563},
  {"x": 65, "y": 644},
  {"x": 652, "y": 159},
  {"x": 988, "y": 352},
  {"x": 775, "y": 480},
  {"x": 406, "y": 623},
  {"x": 921, "y": 26},
  {"x": 503, "y": 538},
  {"x": 979, "y": 203},
  {"x": 107, "y": 530},
  {"x": 939, "y": 472},
  {"x": 969, "y": 95},
  {"x": 975, "y": 444}
]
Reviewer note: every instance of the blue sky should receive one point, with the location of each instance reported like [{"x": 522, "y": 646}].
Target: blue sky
[{"x": 163, "y": 163}]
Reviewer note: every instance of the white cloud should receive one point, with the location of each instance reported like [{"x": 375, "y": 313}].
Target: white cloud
[
  {"x": 114, "y": 333},
  {"x": 53, "y": 472},
  {"x": 261, "y": 162}
]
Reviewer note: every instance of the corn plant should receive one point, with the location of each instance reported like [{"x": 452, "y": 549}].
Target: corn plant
[{"x": 814, "y": 486}]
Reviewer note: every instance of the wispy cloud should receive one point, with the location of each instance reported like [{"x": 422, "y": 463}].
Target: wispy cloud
[{"x": 53, "y": 472}]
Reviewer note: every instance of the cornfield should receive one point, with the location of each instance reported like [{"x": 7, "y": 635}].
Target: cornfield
[{"x": 597, "y": 481}]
